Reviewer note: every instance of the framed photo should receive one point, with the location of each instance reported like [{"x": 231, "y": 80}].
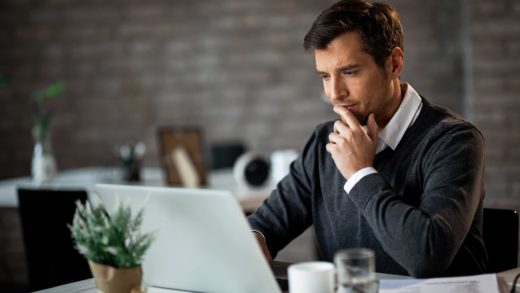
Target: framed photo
[{"x": 182, "y": 156}]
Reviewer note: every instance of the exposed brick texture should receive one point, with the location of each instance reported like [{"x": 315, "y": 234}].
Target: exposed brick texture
[
  {"x": 12, "y": 264},
  {"x": 236, "y": 68},
  {"x": 495, "y": 33}
]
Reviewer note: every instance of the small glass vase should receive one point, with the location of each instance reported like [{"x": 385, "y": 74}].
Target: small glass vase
[{"x": 43, "y": 167}]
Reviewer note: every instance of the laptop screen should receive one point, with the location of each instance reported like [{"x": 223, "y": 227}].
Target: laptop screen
[{"x": 203, "y": 241}]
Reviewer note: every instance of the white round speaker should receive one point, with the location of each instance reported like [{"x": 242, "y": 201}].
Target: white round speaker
[{"x": 251, "y": 170}]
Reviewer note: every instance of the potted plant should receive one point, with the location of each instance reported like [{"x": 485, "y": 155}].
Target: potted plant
[
  {"x": 113, "y": 245},
  {"x": 43, "y": 163}
]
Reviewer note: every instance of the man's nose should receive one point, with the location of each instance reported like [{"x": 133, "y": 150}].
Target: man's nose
[{"x": 338, "y": 90}]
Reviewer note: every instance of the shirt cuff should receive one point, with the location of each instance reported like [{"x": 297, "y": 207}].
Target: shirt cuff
[
  {"x": 354, "y": 179},
  {"x": 259, "y": 233}
]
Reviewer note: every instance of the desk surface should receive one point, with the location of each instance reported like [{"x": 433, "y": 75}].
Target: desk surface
[
  {"x": 86, "y": 178},
  {"x": 89, "y": 286}
]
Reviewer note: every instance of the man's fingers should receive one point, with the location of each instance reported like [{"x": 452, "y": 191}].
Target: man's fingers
[
  {"x": 335, "y": 137},
  {"x": 348, "y": 117},
  {"x": 329, "y": 147},
  {"x": 372, "y": 127},
  {"x": 340, "y": 127}
]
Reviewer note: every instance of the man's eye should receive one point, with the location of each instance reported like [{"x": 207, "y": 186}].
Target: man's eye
[
  {"x": 325, "y": 77},
  {"x": 349, "y": 72}
]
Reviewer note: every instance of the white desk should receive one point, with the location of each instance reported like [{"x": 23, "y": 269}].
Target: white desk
[
  {"x": 86, "y": 178},
  {"x": 89, "y": 286}
]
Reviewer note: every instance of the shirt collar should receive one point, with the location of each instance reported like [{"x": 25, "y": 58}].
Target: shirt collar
[{"x": 403, "y": 118}]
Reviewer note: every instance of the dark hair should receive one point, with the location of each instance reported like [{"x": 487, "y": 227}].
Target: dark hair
[{"x": 377, "y": 23}]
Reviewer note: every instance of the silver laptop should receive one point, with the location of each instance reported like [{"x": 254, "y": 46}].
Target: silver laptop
[{"x": 203, "y": 241}]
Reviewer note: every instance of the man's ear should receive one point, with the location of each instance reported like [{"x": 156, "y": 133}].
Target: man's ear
[{"x": 395, "y": 62}]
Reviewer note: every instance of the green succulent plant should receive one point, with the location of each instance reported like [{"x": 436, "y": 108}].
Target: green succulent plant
[{"x": 113, "y": 240}]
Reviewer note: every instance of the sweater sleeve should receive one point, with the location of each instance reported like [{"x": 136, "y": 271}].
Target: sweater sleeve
[
  {"x": 287, "y": 212},
  {"x": 425, "y": 239}
]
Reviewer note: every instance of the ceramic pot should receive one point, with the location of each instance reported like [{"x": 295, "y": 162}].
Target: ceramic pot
[{"x": 113, "y": 280}]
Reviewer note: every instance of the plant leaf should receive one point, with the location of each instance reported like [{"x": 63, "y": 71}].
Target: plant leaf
[
  {"x": 114, "y": 240},
  {"x": 54, "y": 89}
]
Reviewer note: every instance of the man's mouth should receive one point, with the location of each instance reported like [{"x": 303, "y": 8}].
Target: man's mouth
[
  {"x": 347, "y": 106},
  {"x": 352, "y": 108}
]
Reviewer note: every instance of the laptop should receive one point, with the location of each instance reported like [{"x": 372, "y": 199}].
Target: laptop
[{"x": 203, "y": 242}]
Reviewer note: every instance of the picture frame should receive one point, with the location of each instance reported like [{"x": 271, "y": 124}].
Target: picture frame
[{"x": 182, "y": 153}]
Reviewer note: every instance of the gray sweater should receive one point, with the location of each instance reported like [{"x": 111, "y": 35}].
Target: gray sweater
[{"x": 421, "y": 213}]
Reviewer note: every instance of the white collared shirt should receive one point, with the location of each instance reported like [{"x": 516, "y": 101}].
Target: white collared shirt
[{"x": 391, "y": 135}]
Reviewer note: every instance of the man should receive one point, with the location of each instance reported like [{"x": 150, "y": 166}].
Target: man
[{"x": 394, "y": 173}]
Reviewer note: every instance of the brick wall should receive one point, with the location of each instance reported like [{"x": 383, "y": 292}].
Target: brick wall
[
  {"x": 236, "y": 68},
  {"x": 233, "y": 67},
  {"x": 495, "y": 67},
  {"x": 12, "y": 253}
]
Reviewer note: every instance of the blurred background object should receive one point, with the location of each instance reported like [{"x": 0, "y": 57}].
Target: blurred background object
[
  {"x": 183, "y": 156},
  {"x": 251, "y": 170},
  {"x": 43, "y": 165},
  {"x": 223, "y": 155},
  {"x": 131, "y": 156},
  {"x": 280, "y": 163}
]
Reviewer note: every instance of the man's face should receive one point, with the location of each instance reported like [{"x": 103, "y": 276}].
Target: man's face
[{"x": 353, "y": 80}]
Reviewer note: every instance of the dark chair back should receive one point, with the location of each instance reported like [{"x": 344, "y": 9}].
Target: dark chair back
[
  {"x": 500, "y": 234},
  {"x": 51, "y": 257}
]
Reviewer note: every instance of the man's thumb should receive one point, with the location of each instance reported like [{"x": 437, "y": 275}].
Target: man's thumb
[{"x": 372, "y": 127}]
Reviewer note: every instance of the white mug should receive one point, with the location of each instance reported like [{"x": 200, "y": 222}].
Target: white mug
[{"x": 311, "y": 277}]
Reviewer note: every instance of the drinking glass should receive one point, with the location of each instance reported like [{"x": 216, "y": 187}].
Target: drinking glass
[{"x": 356, "y": 270}]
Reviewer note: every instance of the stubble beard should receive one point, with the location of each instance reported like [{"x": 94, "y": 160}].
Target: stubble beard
[{"x": 362, "y": 118}]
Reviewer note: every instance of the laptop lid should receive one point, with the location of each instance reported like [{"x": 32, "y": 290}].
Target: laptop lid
[{"x": 203, "y": 241}]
